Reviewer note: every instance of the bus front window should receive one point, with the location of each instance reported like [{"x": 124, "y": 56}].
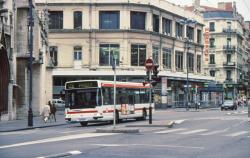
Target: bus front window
[{"x": 84, "y": 98}]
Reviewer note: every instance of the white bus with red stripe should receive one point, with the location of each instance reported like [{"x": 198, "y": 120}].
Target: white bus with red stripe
[{"x": 92, "y": 101}]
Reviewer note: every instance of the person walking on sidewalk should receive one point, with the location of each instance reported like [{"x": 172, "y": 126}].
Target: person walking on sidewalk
[
  {"x": 46, "y": 113},
  {"x": 52, "y": 110}
]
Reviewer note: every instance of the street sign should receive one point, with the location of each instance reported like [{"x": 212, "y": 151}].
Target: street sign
[{"x": 149, "y": 64}]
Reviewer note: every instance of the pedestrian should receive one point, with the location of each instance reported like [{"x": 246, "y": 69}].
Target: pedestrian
[
  {"x": 46, "y": 113},
  {"x": 52, "y": 110}
]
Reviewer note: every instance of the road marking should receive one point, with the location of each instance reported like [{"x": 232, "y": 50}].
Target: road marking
[
  {"x": 171, "y": 131},
  {"x": 213, "y": 132},
  {"x": 194, "y": 131},
  {"x": 56, "y": 139},
  {"x": 74, "y": 152},
  {"x": 179, "y": 121},
  {"x": 150, "y": 145},
  {"x": 237, "y": 133}
]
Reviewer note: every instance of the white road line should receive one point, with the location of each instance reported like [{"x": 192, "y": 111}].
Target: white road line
[
  {"x": 171, "y": 131},
  {"x": 150, "y": 145},
  {"x": 194, "y": 131},
  {"x": 74, "y": 152},
  {"x": 237, "y": 133},
  {"x": 213, "y": 132},
  {"x": 56, "y": 139},
  {"x": 179, "y": 121}
]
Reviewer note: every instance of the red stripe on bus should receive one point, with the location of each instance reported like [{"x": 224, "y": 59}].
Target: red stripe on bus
[
  {"x": 124, "y": 86},
  {"x": 79, "y": 112},
  {"x": 108, "y": 111}
]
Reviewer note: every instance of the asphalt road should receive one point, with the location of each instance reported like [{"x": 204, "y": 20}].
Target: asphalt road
[{"x": 196, "y": 134}]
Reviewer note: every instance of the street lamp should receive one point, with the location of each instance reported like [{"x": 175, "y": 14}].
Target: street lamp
[
  {"x": 31, "y": 24},
  {"x": 187, "y": 22}
]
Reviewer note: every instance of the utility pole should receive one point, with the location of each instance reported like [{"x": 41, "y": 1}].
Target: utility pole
[{"x": 30, "y": 29}]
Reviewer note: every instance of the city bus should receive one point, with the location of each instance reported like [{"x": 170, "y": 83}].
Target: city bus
[{"x": 93, "y": 101}]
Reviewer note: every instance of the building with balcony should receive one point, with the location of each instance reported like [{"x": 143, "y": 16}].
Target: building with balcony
[
  {"x": 247, "y": 45},
  {"x": 227, "y": 48},
  {"x": 84, "y": 36}
]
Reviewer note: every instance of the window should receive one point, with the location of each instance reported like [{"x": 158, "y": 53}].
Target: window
[
  {"x": 229, "y": 24},
  {"x": 212, "y": 73},
  {"x": 77, "y": 53},
  {"x": 212, "y": 59},
  {"x": 212, "y": 26},
  {"x": 179, "y": 60},
  {"x": 229, "y": 41},
  {"x": 138, "y": 54},
  {"x": 190, "y": 33},
  {"x": 107, "y": 52},
  {"x": 178, "y": 29},
  {"x": 137, "y": 20},
  {"x": 156, "y": 23},
  {"x": 229, "y": 58},
  {"x": 166, "y": 58},
  {"x": 55, "y": 20},
  {"x": 77, "y": 20},
  {"x": 166, "y": 26},
  {"x": 156, "y": 54},
  {"x": 212, "y": 42},
  {"x": 190, "y": 61},
  {"x": 109, "y": 19},
  {"x": 53, "y": 55},
  {"x": 228, "y": 74},
  {"x": 199, "y": 36},
  {"x": 198, "y": 63}
]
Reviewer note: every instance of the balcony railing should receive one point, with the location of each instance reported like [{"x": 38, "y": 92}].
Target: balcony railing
[
  {"x": 229, "y": 30},
  {"x": 228, "y": 80},
  {"x": 229, "y": 48},
  {"x": 229, "y": 64}
]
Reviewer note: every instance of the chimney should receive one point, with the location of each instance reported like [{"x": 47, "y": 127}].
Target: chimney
[
  {"x": 221, "y": 5},
  {"x": 196, "y": 4},
  {"x": 228, "y": 6}
]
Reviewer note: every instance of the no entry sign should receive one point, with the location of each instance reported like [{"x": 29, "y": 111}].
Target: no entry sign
[{"x": 149, "y": 64}]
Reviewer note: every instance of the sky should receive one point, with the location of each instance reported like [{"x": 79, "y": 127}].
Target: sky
[{"x": 243, "y": 6}]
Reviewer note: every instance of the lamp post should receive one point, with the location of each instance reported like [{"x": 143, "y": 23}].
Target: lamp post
[
  {"x": 187, "y": 22},
  {"x": 30, "y": 28}
]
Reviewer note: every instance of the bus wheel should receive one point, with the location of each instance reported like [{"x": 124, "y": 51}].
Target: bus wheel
[{"x": 84, "y": 123}]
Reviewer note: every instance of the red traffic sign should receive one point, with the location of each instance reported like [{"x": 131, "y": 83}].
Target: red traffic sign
[{"x": 149, "y": 64}]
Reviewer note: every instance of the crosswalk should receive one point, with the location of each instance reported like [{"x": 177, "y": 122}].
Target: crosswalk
[{"x": 204, "y": 132}]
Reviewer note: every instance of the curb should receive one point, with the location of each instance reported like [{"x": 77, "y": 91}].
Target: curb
[
  {"x": 29, "y": 128},
  {"x": 117, "y": 130}
]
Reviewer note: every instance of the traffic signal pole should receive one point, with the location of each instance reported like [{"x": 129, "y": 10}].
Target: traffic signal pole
[{"x": 150, "y": 98}]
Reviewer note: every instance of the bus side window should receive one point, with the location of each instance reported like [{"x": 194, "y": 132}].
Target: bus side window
[{"x": 131, "y": 99}]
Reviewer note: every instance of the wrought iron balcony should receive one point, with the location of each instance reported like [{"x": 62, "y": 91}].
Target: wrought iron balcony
[
  {"x": 229, "y": 30},
  {"x": 229, "y": 64},
  {"x": 229, "y": 48}
]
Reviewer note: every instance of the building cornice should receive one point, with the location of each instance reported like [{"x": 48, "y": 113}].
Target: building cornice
[{"x": 118, "y": 4}]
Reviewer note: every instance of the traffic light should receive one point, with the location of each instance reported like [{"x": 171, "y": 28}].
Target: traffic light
[
  {"x": 155, "y": 78},
  {"x": 155, "y": 71},
  {"x": 147, "y": 76}
]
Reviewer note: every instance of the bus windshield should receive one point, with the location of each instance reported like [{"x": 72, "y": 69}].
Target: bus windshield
[{"x": 83, "y": 98}]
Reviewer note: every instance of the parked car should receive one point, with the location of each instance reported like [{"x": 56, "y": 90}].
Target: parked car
[
  {"x": 229, "y": 104},
  {"x": 58, "y": 103}
]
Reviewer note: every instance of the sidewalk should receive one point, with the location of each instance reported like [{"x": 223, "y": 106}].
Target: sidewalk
[{"x": 16, "y": 125}]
